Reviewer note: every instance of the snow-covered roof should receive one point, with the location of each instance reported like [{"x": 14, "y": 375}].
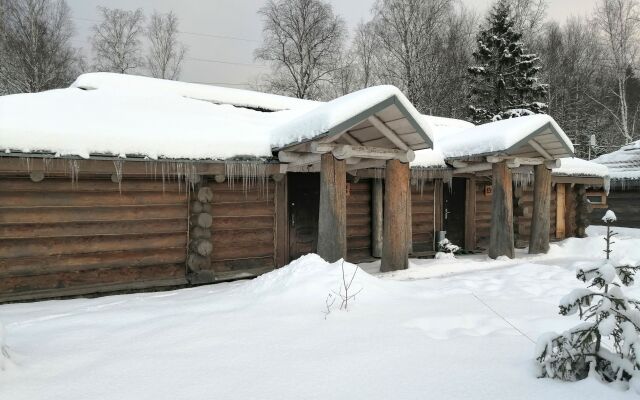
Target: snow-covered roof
[
  {"x": 214, "y": 94},
  {"x": 123, "y": 115},
  {"x": 442, "y": 127},
  {"x": 351, "y": 115},
  {"x": 623, "y": 164},
  {"x": 572, "y": 166},
  {"x": 528, "y": 136}
]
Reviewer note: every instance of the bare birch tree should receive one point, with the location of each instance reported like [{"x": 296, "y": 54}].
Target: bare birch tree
[
  {"x": 166, "y": 52},
  {"x": 35, "y": 43},
  {"x": 619, "y": 20},
  {"x": 364, "y": 53},
  {"x": 303, "y": 40},
  {"x": 116, "y": 40}
]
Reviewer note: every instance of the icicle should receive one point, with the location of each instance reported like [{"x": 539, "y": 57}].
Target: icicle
[
  {"x": 118, "y": 165},
  {"x": 419, "y": 176},
  {"x": 74, "y": 172},
  {"x": 252, "y": 173}
]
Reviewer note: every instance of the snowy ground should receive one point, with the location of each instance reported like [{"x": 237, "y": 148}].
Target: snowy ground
[{"x": 465, "y": 332}]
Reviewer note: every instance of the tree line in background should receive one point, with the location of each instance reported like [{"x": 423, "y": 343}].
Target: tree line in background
[
  {"x": 448, "y": 60},
  {"x": 37, "y": 53},
  {"x": 451, "y": 62}
]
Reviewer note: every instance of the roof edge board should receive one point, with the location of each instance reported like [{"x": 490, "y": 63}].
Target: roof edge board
[{"x": 547, "y": 125}]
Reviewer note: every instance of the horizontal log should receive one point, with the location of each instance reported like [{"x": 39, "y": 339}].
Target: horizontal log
[
  {"x": 27, "y": 266},
  {"x": 424, "y": 238},
  {"x": 356, "y": 242},
  {"x": 248, "y": 209},
  {"x": 422, "y": 228},
  {"x": 359, "y": 255},
  {"x": 362, "y": 186},
  {"x": 226, "y": 252},
  {"x": 422, "y": 218},
  {"x": 358, "y": 197},
  {"x": 243, "y": 264},
  {"x": 72, "y": 280},
  {"x": 33, "y": 247},
  {"x": 81, "y": 199},
  {"x": 143, "y": 168},
  {"x": 79, "y": 214},
  {"x": 422, "y": 208},
  {"x": 49, "y": 185},
  {"x": 358, "y": 230},
  {"x": 242, "y": 222},
  {"x": 239, "y": 196},
  {"x": 242, "y": 236},
  {"x": 91, "y": 228},
  {"x": 358, "y": 208},
  {"x": 358, "y": 219}
]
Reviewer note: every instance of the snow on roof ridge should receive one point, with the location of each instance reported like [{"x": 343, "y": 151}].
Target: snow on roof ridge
[
  {"x": 574, "y": 166},
  {"x": 497, "y": 136},
  {"x": 198, "y": 91},
  {"x": 624, "y": 163},
  {"x": 319, "y": 120}
]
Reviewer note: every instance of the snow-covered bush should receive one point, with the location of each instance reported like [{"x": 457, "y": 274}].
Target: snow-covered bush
[
  {"x": 607, "y": 342},
  {"x": 446, "y": 249}
]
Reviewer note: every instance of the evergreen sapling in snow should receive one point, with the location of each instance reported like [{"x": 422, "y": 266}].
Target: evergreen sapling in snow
[
  {"x": 503, "y": 79},
  {"x": 607, "y": 342}
]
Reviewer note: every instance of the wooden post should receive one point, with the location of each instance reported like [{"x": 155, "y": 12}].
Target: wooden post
[
  {"x": 395, "y": 247},
  {"x": 409, "y": 220},
  {"x": 332, "y": 219},
  {"x": 376, "y": 218},
  {"x": 561, "y": 231},
  {"x": 540, "y": 220},
  {"x": 438, "y": 210},
  {"x": 501, "y": 238},
  {"x": 470, "y": 215}
]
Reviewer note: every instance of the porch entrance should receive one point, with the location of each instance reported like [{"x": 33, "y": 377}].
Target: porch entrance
[
  {"x": 304, "y": 201},
  {"x": 454, "y": 210}
]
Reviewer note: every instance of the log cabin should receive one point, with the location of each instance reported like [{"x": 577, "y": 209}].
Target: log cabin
[
  {"x": 124, "y": 183},
  {"x": 622, "y": 196}
]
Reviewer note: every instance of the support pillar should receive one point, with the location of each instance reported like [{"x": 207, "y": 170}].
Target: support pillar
[
  {"x": 332, "y": 220},
  {"x": 501, "y": 238},
  {"x": 377, "y": 207},
  {"x": 395, "y": 248},
  {"x": 540, "y": 220}
]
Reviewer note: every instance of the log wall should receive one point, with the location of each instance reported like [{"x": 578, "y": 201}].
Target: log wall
[
  {"x": 359, "y": 221},
  {"x": 422, "y": 216},
  {"x": 626, "y": 205},
  {"x": 242, "y": 228},
  {"x": 59, "y": 237},
  {"x": 523, "y": 211},
  {"x": 483, "y": 214}
]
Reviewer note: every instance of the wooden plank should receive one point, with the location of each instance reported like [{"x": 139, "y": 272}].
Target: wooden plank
[
  {"x": 395, "y": 249},
  {"x": 470, "y": 215},
  {"x": 242, "y": 236},
  {"x": 82, "y": 199},
  {"x": 239, "y": 196},
  {"x": 501, "y": 234},
  {"x": 242, "y": 222},
  {"x": 540, "y": 220},
  {"x": 103, "y": 213},
  {"x": 281, "y": 223},
  {"x": 27, "y": 266},
  {"x": 241, "y": 264},
  {"x": 35, "y": 247},
  {"x": 332, "y": 220},
  {"x": 377, "y": 200},
  {"x": 560, "y": 210},
  {"x": 90, "y": 228}
]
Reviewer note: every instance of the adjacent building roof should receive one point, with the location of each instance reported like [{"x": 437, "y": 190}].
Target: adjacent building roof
[
  {"x": 529, "y": 136},
  {"x": 623, "y": 164}
]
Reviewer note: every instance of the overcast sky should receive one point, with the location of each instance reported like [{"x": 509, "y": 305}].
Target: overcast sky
[{"x": 222, "y": 34}]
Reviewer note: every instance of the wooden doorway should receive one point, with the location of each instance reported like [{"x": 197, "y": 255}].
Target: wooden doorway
[
  {"x": 304, "y": 200},
  {"x": 454, "y": 210}
]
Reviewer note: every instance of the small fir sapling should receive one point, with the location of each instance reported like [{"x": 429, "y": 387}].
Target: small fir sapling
[{"x": 607, "y": 342}]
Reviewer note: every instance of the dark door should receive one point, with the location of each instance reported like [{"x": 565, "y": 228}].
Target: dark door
[
  {"x": 304, "y": 201},
  {"x": 454, "y": 205}
]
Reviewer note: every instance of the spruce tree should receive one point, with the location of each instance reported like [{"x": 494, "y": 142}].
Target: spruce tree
[
  {"x": 503, "y": 80},
  {"x": 607, "y": 342}
]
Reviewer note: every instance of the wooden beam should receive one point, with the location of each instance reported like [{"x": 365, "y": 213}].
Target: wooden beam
[
  {"x": 351, "y": 139},
  {"x": 540, "y": 149},
  {"x": 387, "y": 132},
  {"x": 560, "y": 210},
  {"x": 342, "y": 151},
  {"x": 540, "y": 220},
  {"x": 298, "y": 158},
  {"x": 377, "y": 207},
  {"x": 366, "y": 164},
  {"x": 501, "y": 237},
  {"x": 395, "y": 248},
  {"x": 473, "y": 168},
  {"x": 470, "y": 215},
  {"x": 332, "y": 218}
]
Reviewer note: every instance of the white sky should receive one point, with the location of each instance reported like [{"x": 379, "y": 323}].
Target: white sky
[{"x": 238, "y": 19}]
